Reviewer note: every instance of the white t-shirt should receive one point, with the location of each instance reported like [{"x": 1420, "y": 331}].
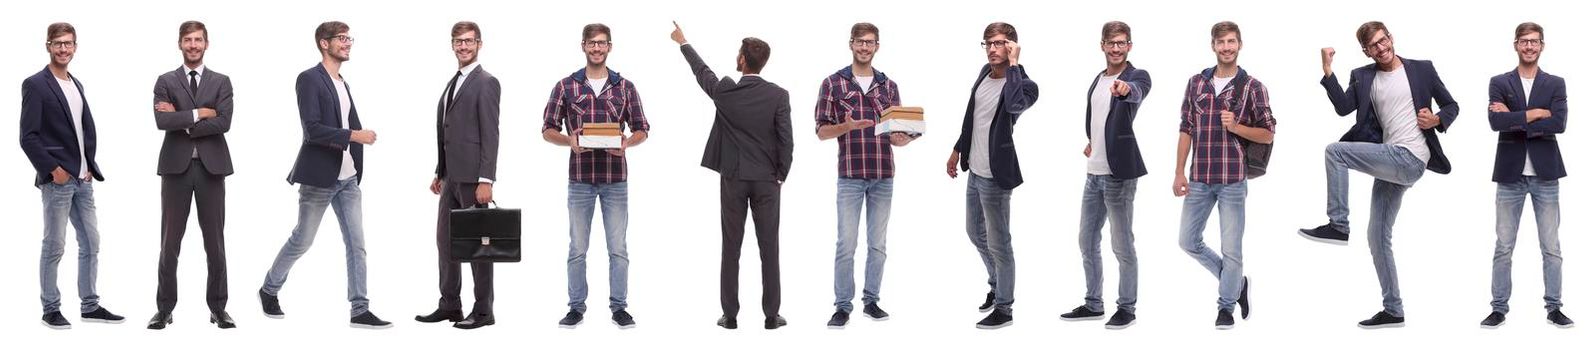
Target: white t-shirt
[
  {"x": 344, "y": 104},
  {"x": 1392, "y": 100},
  {"x": 1220, "y": 83},
  {"x": 864, "y": 81},
  {"x": 74, "y": 101},
  {"x": 597, "y": 84},
  {"x": 1101, "y": 104},
  {"x": 987, "y": 96},
  {"x": 1528, "y": 164}
]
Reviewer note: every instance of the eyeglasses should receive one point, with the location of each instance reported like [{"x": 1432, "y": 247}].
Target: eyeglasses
[
  {"x": 1116, "y": 44},
  {"x": 1529, "y": 42},
  {"x": 466, "y": 42},
  {"x": 865, "y": 43},
  {"x": 596, "y": 43},
  {"x": 999, "y": 44},
  {"x": 62, "y": 44},
  {"x": 341, "y": 38},
  {"x": 1381, "y": 43}
]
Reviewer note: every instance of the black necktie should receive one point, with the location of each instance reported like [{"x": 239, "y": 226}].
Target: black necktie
[
  {"x": 193, "y": 84},
  {"x": 450, "y": 92}
]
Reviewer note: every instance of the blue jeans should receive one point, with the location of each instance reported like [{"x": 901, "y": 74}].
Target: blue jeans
[
  {"x": 986, "y": 211},
  {"x": 851, "y": 197},
  {"x": 1108, "y": 200},
  {"x": 582, "y": 197},
  {"x": 74, "y": 202},
  {"x": 1231, "y": 201},
  {"x": 1394, "y": 170},
  {"x": 344, "y": 197},
  {"x": 1509, "y": 198}
]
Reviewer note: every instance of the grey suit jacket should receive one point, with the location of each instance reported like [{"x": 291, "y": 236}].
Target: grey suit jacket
[
  {"x": 752, "y": 135},
  {"x": 183, "y": 134},
  {"x": 468, "y": 132}
]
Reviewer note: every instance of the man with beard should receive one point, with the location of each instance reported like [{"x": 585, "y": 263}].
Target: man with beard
[
  {"x": 1393, "y": 140},
  {"x": 595, "y": 94},
  {"x": 194, "y": 105}
]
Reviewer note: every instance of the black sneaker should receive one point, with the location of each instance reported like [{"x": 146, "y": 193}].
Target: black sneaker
[
  {"x": 1493, "y": 321},
  {"x": 101, "y": 315},
  {"x": 1121, "y": 319},
  {"x": 726, "y": 322},
  {"x": 774, "y": 322},
  {"x": 1226, "y": 320},
  {"x": 1383, "y": 320},
  {"x": 838, "y": 320},
  {"x": 623, "y": 320},
  {"x": 997, "y": 319},
  {"x": 571, "y": 320},
  {"x": 1326, "y": 234},
  {"x": 1557, "y": 318},
  {"x": 1081, "y": 313},
  {"x": 1245, "y": 300},
  {"x": 368, "y": 320},
  {"x": 991, "y": 297},
  {"x": 54, "y": 320},
  {"x": 269, "y": 304},
  {"x": 873, "y": 311}
]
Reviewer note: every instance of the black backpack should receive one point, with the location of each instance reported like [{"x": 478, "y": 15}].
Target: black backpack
[{"x": 1256, "y": 154}]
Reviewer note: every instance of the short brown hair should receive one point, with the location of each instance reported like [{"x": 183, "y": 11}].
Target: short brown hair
[
  {"x": 861, "y": 28},
  {"x": 58, "y": 29},
  {"x": 1115, "y": 28},
  {"x": 190, "y": 27},
  {"x": 330, "y": 29},
  {"x": 1529, "y": 27},
  {"x": 755, "y": 53},
  {"x": 592, "y": 30},
  {"x": 466, "y": 27},
  {"x": 1226, "y": 27},
  {"x": 1001, "y": 28},
  {"x": 1366, "y": 31}
]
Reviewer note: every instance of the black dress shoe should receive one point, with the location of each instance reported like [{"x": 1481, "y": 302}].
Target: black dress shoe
[
  {"x": 160, "y": 320},
  {"x": 222, "y": 320},
  {"x": 774, "y": 322},
  {"x": 441, "y": 315},
  {"x": 475, "y": 321},
  {"x": 726, "y": 322}
]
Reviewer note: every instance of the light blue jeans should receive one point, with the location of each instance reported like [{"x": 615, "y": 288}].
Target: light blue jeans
[
  {"x": 1509, "y": 198},
  {"x": 74, "y": 202},
  {"x": 344, "y": 197},
  {"x": 611, "y": 198},
  {"x": 874, "y": 197},
  {"x": 986, "y": 211},
  {"x": 1394, "y": 170},
  {"x": 1231, "y": 201},
  {"x": 1108, "y": 200}
]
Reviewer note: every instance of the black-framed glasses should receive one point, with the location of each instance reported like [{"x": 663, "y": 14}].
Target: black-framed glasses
[
  {"x": 62, "y": 44},
  {"x": 999, "y": 44},
  {"x": 1382, "y": 42},
  {"x": 341, "y": 38},
  {"x": 865, "y": 43},
  {"x": 1117, "y": 44},
  {"x": 1529, "y": 42},
  {"x": 466, "y": 42},
  {"x": 596, "y": 43}
]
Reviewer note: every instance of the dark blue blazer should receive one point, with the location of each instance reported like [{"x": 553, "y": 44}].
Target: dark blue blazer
[
  {"x": 1518, "y": 138},
  {"x": 1124, "y": 154},
  {"x": 1018, "y": 94},
  {"x": 1426, "y": 90},
  {"x": 48, "y": 137},
  {"x": 321, "y": 154}
]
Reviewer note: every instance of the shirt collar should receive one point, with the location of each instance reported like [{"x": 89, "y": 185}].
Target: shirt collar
[
  {"x": 201, "y": 69},
  {"x": 469, "y": 68}
]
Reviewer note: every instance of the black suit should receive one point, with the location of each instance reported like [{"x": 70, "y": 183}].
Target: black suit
[
  {"x": 194, "y": 160},
  {"x": 467, "y": 147},
  {"x": 750, "y": 146}
]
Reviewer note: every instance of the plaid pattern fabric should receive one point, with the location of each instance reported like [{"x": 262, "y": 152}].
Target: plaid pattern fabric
[
  {"x": 1217, "y": 154},
  {"x": 573, "y": 103},
  {"x": 860, "y": 153}
]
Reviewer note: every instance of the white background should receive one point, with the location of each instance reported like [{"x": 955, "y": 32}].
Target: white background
[{"x": 1306, "y": 294}]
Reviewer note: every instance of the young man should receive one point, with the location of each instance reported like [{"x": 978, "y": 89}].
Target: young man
[
  {"x": 328, "y": 171},
  {"x": 1393, "y": 140},
  {"x": 1223, "y": 107},
  {"x": 750, "y": 146},
  {"x": 467, "y": 148},
  {"x": 849, "y": 105},
  {"x": 595, "y": 94},
  {"x": 985, "y": 149},
  {"x": 57, "y": 135},
  {"x": 1113, "y": 165},
  {"x": 1528, "y": 107},
  {"x": 194, "y": 106}
]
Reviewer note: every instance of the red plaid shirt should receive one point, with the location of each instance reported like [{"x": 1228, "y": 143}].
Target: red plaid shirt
[
  {"x": 573, "y": 103},
  {"x": 860, "y": 153},
  {"x": 1218, "y": 157}
]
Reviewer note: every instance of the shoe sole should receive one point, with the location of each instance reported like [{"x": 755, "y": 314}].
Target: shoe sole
[
  {"x": 105, "y": 321},
  {"x": 1246, "y": 288},
  {"x": 51, "y": 326},
  {"x": 998, "y": 326},
  {"x": 1485, "y": 326},
  {"x": 987, "y": 309},
  {"x": 367, "y": 326},
  {"x": 1224, "y": 328},
  {"x": 1087, "y": 318},
  {"x": 836, "y": 327},
  {"x": 1562, "y": 326},
  {"x": 629, "y": 326},
  {"x": 1383, "y": 326},
  {"x": 571, "y": 326},
  {"x": 873, "y": 318},
  {"x": 1304, "y": 234},
  {"x": 274, "y": 317},
  {"x": 1113, "y": 327}
]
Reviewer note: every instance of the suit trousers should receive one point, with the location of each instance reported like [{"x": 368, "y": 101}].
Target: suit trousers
[
  {"x": 460, "y": 196},
  {"x": 178, "y": 193},
  {"x": 736, "y": 198}
]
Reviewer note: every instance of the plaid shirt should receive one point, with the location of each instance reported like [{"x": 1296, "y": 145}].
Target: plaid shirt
[
  {"x": 1218, "y": 157},
  {"x": 860, "y": 153},
  {"x": 573, "y": 103}
]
